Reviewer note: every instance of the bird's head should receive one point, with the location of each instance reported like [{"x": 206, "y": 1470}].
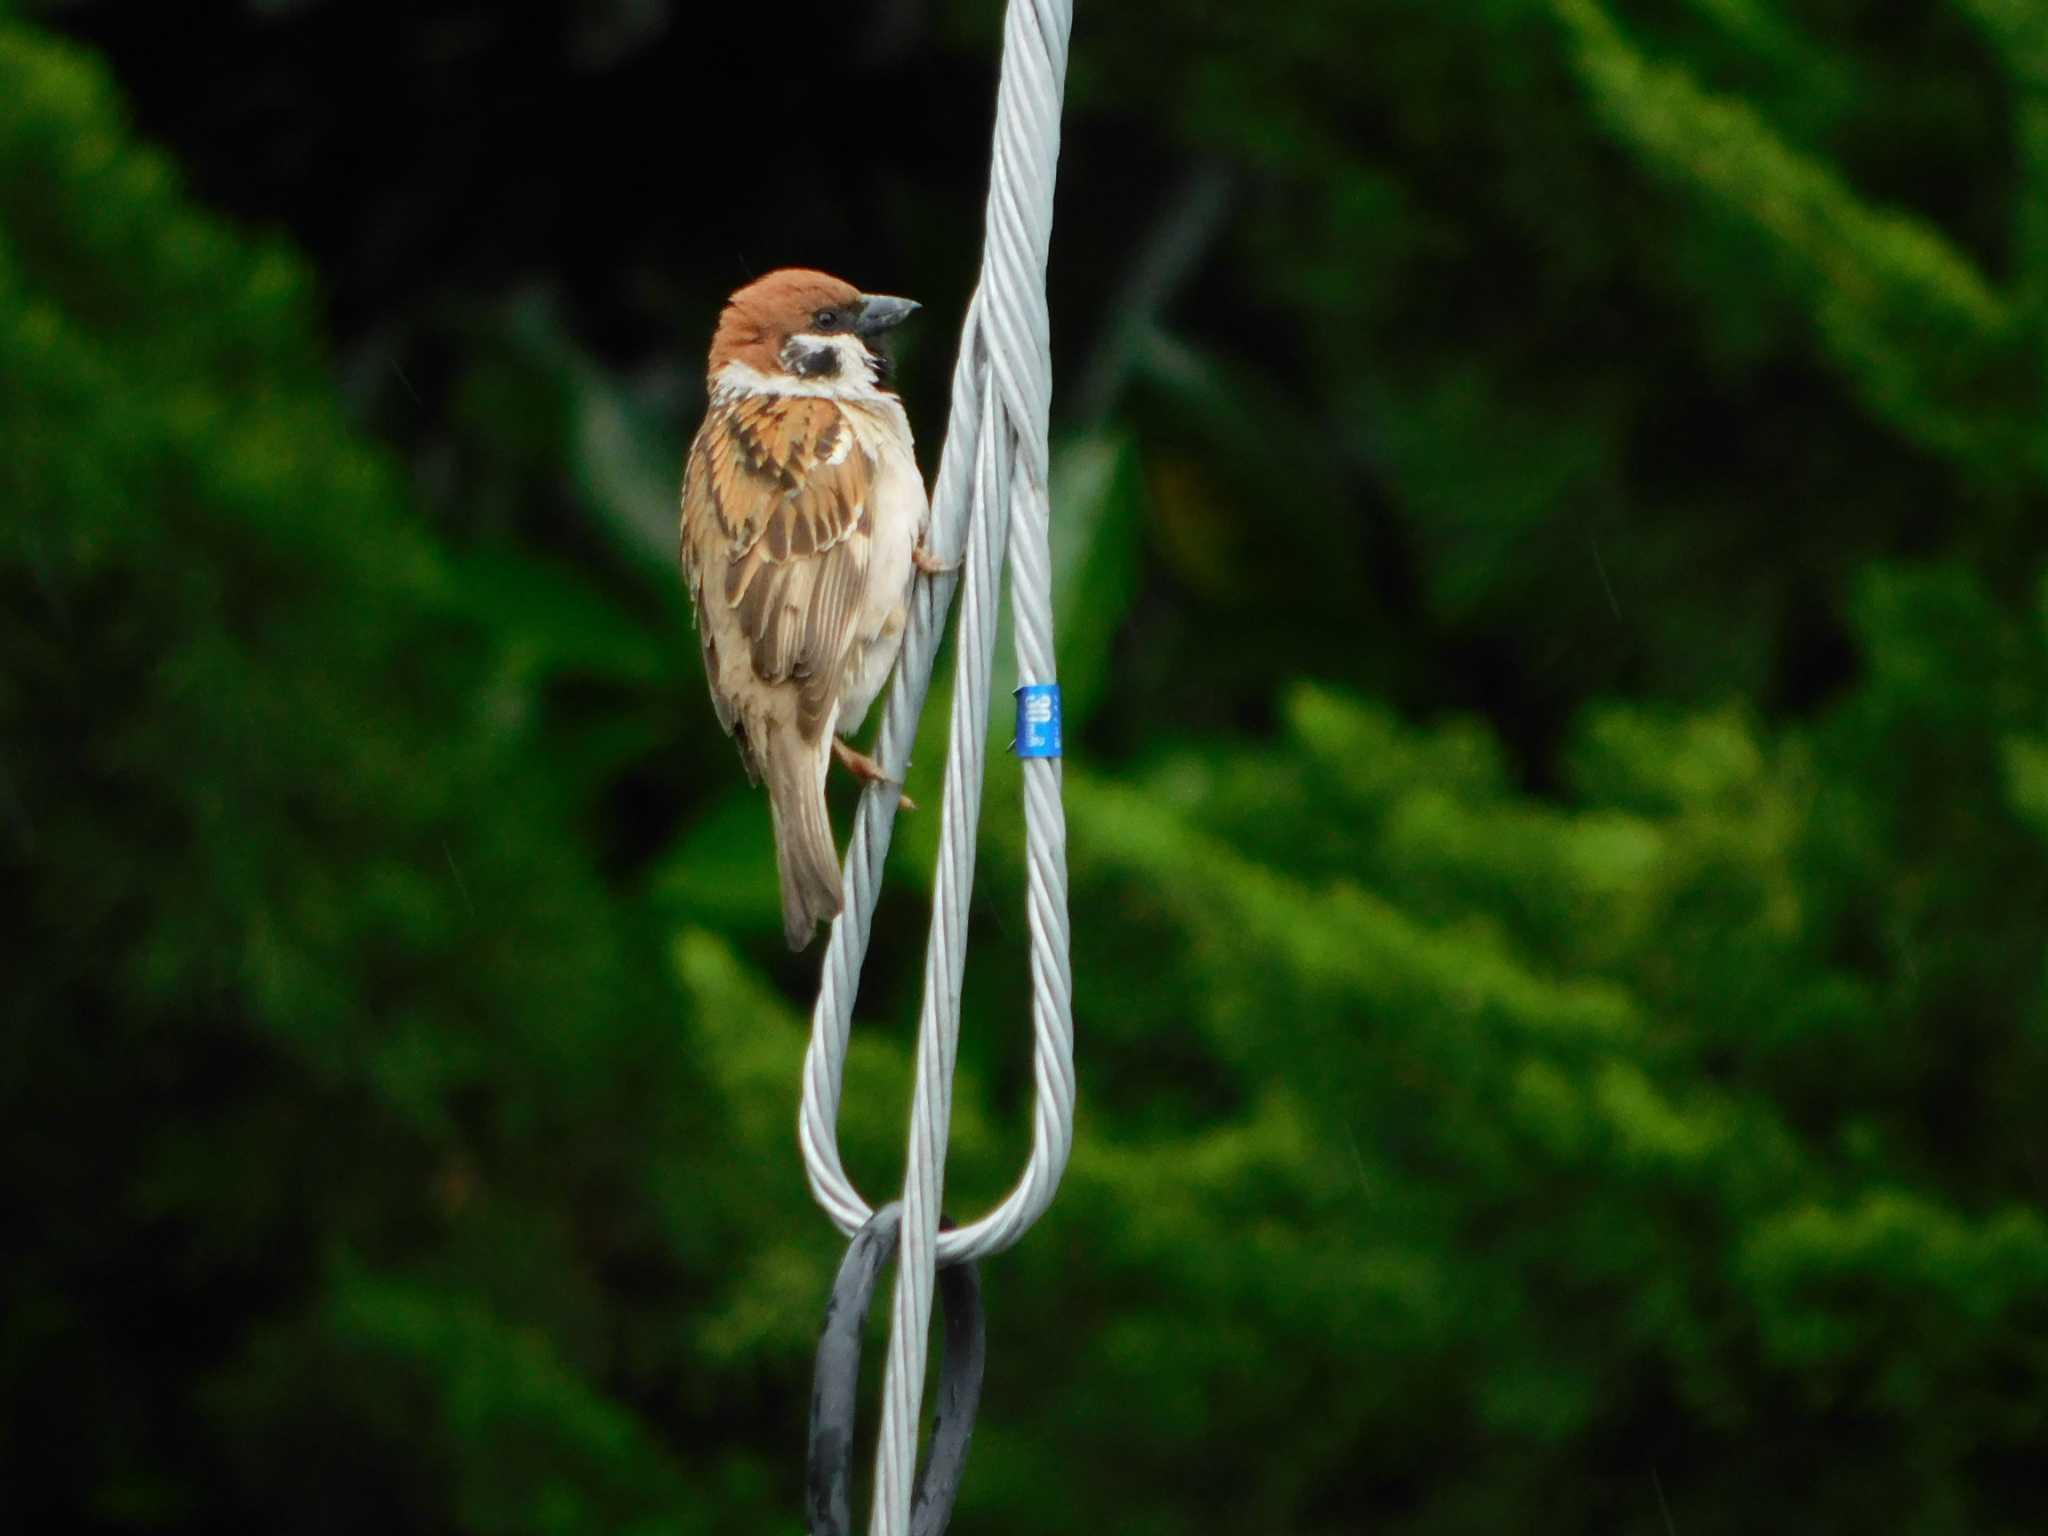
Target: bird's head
[{"x": 808, "y": 328}]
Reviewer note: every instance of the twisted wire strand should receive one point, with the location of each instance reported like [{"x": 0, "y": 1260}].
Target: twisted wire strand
[
  {"x": 990, "y": 507},
  {"x": 1003, "y": 367},
  {"x": 945, "y": 961},
  {"x": 875, "y": 819}
]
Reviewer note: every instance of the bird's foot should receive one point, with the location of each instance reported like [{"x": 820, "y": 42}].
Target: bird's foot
[
  {"x": 867, "y": 770},
  {"x": 930, "y": 563}
]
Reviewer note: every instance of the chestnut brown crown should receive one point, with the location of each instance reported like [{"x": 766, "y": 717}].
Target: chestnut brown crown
[{"x": 759, "y": 320}]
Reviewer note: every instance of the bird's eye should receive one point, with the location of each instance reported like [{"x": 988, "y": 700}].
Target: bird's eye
[{"x": 826, "y": 319}]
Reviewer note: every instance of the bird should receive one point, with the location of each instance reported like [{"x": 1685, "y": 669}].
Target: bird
[{"x": 804, "y": 518}]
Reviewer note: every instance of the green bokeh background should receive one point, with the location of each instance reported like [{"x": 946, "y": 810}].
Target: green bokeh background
[{"x": 1548, "y": 523}]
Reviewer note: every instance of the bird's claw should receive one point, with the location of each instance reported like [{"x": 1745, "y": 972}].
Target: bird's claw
[
  {"x": 867, "y": 770},
  {"x": 930, "y": 563}
]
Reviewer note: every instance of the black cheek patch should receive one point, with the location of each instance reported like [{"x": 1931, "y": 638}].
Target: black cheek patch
[{"x": 814, "y": 362}]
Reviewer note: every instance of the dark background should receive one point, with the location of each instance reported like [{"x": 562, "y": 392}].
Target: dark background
[{"x": 1547, "y": 507}]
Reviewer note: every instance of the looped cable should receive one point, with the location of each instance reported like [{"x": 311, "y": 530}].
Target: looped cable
[{"x": 990, "y": 502}]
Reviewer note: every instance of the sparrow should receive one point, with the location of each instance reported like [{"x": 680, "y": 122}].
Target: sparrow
[{"x": 803, "y": 528}]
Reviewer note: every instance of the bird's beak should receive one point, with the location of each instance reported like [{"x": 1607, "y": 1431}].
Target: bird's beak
[{"x": 879, "y": 312}]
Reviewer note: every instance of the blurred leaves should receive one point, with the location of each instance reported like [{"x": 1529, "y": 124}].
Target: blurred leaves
[
  {"x": 1551, "y": 605},
  {"x": 1097, "y": 496},
  {"x": 1909, "y": 322},
  {"x": 287, "y": 866}
]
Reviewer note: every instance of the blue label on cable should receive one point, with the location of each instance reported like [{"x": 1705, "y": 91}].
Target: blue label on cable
[{"x": 1038, "y": 721}]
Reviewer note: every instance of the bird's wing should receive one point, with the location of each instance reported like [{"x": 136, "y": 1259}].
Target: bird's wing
[{"x": 777, "y": 529}]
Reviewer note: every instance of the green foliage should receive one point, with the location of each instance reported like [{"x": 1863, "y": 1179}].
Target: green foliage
[
  {"x": 1619, "y": 1103},
  {"x": 1616, "y": 431},
  {"x": 1589, "y": 1098},
  {"x": 1908, "y": 321},
  {"x": 285, "y": 854}
]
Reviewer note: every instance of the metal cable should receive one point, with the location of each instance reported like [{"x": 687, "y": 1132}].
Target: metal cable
[
  {"x": 990, "y": 502},
  {"x": 829, "y": 1471}
]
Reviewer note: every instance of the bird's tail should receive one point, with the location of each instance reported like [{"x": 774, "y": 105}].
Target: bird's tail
[{"x": 805, "y": 854}]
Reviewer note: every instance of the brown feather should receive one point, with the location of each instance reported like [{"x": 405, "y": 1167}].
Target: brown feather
[
  {"x": 779, "y": 533},
  {"x": 806, "y": 859}
]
